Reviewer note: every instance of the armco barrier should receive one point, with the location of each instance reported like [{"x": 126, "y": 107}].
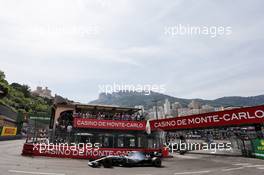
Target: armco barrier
[{"x": 2, "y": 138}]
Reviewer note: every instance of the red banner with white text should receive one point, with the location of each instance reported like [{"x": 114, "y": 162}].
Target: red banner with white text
[
  {"x": 109, "y": 124},
  {"x": 240, "y": 116},
  {"x": 58, "y": 150}
]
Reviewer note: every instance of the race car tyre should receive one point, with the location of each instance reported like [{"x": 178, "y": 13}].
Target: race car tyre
[
  {"x": 182, "y": 152},
  {"x": 157, "y": 162},
  {"x": 107, "y": 163}
]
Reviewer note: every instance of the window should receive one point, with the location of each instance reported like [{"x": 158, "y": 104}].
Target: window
[
  {"x": 106, "y": 142},
  {"x": 140, "y": 144},
  {"x": 120, "y": 141},
  {"x": 151, "y": 143},
  {"x": 132, "y": 142}
]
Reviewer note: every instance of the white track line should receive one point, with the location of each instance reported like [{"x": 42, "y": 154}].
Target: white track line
[
  {"x": 194, "y": 172},
  {"x": 254, "y": 166},
  {"x": 231, "y": 169},
  {"x": 186, "y": 157},
  {"x": 260, "y": 168},
  {"x": 30, "y": 172},
  {"x": 241, "y": 164}
]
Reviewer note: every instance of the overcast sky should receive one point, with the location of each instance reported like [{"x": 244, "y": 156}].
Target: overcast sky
[{"x": 73, "y": 46}]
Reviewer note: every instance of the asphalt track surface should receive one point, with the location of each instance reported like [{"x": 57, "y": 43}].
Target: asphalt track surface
[{"x": 12, "y": 163}]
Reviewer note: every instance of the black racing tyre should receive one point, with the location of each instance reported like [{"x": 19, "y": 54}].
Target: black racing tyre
[
  {"x": 157, "y": 162},
  {"x": 182, "y": 152},
  {"x": 107, "y": 163}
]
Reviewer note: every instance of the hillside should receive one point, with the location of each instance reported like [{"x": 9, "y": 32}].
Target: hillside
[
  {"x": 19, "y": 98},
  {"x": 135, "y": 98}
]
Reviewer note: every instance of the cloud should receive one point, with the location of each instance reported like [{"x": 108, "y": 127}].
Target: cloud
[{"x": 73, "y": 46}]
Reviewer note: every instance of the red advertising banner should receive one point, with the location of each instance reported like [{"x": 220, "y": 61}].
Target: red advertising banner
[
  {"x": 241, "y": 116},
  {"x": 41, "y": 149},
  {"x": 109, "y": 124}
]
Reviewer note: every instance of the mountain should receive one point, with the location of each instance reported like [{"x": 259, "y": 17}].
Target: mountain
[
  {"x": 240, "y": 101},
  {"x": 131, "y": 99}
]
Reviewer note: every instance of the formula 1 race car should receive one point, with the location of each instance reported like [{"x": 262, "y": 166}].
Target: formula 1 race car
[{"x": 134, "y": 158}]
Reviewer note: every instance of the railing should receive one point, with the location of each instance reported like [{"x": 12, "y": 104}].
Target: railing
[{"x": 110, "y": 117}]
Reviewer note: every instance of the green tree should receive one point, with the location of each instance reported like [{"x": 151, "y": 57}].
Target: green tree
[
  {"x": 19, "y": 98},
  {"x": 3, "y": 90},
  {"x": 2, "y": 75},
  {"x": 25, "y": 89}
]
